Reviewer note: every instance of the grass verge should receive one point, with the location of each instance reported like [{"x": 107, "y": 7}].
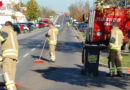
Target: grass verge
[{"x": 125, "y": 61}]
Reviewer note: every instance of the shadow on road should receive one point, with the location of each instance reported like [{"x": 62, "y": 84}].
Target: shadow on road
[
  {"x": 32, "y": 43},
  {"x": 73, "y": 76},
  {"x": 69, "y": 47},
  {"x": 42, "y": 58}
]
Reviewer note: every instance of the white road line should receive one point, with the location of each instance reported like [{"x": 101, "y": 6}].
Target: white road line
[
  {"x": 26, "y": 55},
  {"x": 33, "y": 49},
  {"x": 23, "y": 57}
]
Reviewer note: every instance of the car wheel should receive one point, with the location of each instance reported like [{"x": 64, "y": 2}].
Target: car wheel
[{"x": 25, "y": 30}]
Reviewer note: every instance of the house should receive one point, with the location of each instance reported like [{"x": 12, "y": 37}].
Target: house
[{"x": 7, "y": 12}]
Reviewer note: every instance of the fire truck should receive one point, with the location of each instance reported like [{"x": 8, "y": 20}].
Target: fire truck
[{"x": 100, "y": 24}]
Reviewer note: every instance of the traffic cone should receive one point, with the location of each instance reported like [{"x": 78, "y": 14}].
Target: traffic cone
[
  {"x": 39, "y": 60},
  {"x": 128, "y": 70}
]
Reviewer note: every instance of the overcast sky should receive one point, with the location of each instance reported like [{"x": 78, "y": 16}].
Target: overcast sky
[{"x": 59, "y": 5}]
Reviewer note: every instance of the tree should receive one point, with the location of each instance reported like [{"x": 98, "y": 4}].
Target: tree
[
  {"x": 46, "y": 12},
  {"x": 78, "y": 10},
  {"x": 32, "y": 11},
  {"x": 111, "y": 3},
  {"x": 14, "y": 17}
]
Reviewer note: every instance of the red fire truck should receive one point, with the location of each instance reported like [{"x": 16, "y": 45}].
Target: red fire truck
[{"x": 100, "y": 24}]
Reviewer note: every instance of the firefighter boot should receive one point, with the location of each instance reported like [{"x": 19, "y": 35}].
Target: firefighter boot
[
  {"x": 110, "y": 74},
  {"x": 119, "y": 74}
]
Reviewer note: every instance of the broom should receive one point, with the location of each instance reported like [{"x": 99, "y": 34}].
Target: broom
[{"x": 39, "y": 60}]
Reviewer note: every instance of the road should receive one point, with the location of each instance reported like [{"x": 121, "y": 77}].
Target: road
[{"x": 65, "y": 74}]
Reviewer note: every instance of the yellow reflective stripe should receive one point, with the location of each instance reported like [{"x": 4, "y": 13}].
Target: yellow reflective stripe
[
  {"x": 52, "y": 42},
  {"x": 54, "y": 36},
  {"x": 53, "y": 57},
  {"x": 1, "y": 38},
  {"x": 6, "y": 54},
  {"x": 113, "y": 47},
  {"x": 12, "y": 40},
  {"x": 119, "y": 68},
  {"x": 112, "y": 69},
  {"x": 10, "y": 50},
  {"x": 10, "y": 84},
  {"x": 116, "y": 43}
]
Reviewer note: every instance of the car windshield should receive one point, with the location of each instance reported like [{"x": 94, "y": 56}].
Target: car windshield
[
  {"x": 45, "y": 21},
  {"x": 23, "y": 25}
]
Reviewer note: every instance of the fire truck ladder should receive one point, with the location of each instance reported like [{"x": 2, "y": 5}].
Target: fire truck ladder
[{"x": 90, "y": 30}]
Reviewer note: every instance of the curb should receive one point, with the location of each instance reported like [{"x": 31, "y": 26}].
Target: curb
[{"x": 103, "y": 65}]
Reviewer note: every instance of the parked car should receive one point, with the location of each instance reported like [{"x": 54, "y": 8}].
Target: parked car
[
  {"x": 29, "y": 26},
  {"x": 41, "y": 24},
  {"x": 82, "y": 27},
  {"x": 26, "y": 29},
  {"x": 45, "y": 21},
  {"x": 21, "y": 28},
  {"x": 17, "y": 28}
]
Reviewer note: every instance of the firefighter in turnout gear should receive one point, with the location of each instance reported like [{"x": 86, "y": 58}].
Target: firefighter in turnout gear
[
  {"x": 9, "y": 45},
  {"x": 52, "y": 40},
  {"x": 116, "y": 41}
]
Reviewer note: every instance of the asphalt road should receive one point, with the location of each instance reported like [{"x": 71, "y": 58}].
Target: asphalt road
[{"x": 65, "y": 74}]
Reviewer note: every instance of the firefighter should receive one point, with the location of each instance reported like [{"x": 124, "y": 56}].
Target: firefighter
[
  {"x": 9, "y": 55},
  {"x": 52, "y": 40},
  {"x": 68, "y": 24},
  {"x": 116, "y": 41}
]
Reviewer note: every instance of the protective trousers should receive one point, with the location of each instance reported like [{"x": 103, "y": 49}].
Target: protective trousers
[
  {"x": 52, "y": 51},
  {"x": 9, "y": 71},
  {"x": 115, "y": 59}
]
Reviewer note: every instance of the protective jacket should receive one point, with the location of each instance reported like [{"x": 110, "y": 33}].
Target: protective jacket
[
  {"x": 116, "y": 39},
  {"x": 52, "y": 35},
  {"x": 9, "y": 44}
]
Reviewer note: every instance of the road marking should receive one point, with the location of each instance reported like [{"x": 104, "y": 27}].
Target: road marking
[
  {"x": 26, "y": 55},
  {"x": 33, "y": 49}
]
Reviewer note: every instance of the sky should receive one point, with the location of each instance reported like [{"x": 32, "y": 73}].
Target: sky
[{"x": 59, "y": 5}]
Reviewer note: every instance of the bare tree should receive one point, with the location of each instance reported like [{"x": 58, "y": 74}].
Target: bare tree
[
  {"x": 46, "y": 12},
  {"x": 79, "y": 9}
]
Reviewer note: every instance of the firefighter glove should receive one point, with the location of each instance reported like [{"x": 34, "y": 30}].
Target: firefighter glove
[
  {"x": 47, "y": 35},
  {"x": 4, "y": 34}
]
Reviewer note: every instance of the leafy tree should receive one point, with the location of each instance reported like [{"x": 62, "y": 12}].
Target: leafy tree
[{"x": 32, "y": 11}]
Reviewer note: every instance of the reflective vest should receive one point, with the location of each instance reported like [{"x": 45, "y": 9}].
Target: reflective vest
[
  {"x": 116, "y": 39},
  {"x": 53, "y": 32},
  {"x": 10, "y": 44}
]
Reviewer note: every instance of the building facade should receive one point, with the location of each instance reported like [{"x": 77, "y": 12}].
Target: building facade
[{"x": 6, "y": 12}]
